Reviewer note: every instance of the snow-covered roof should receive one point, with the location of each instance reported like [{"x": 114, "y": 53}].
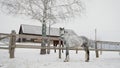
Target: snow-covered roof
[{"x": 37, "y": 30}]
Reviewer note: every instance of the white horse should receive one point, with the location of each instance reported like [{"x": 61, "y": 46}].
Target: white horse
[{"x": 70, "y": 39}]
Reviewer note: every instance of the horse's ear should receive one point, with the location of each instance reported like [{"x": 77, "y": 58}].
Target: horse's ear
[{"x": 61, "y": 28}]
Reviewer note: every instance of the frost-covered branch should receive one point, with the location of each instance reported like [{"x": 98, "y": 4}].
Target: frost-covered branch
[{"x": 53, "y": 10}]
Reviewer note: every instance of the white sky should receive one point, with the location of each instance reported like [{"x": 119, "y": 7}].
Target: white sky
[{"x": 104, "y": 15}]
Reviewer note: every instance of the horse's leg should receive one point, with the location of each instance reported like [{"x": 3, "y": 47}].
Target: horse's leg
[
  {"x": 55, "y": 45},
  {"x": 67, "y": 55},
  {"x": 62, "y": 45},
  {"x": 87, "y": 53},
  {"x": 62, "y": 49},
  {"x": 55, "y": 48}
]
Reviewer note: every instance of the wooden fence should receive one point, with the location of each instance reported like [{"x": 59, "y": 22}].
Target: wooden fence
[{"x": 12, "y": 44}]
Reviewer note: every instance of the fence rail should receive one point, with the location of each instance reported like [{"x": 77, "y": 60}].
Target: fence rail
[
  {"x": 109, "y": 42},
  {"x": 12, "y": 43},
  {"x": 39, "y": 47},
  {"x": 51, "y": 47},
  {"x": 4, "y": 47}
]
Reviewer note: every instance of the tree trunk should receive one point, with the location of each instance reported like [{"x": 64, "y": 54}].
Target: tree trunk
[
  {"x": 43, "y": 44},
  {"x": 48, "y": 50}
]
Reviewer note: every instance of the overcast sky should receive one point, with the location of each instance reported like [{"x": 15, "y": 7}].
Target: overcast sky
[{"x": 104, "y": 15}]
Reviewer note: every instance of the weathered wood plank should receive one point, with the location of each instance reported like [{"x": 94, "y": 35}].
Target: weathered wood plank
[
  {"x": 38, "y": 38},
  {"x": 12, "y": 44},
  {"x": 108, "y": 42},
  {"x": 39, "y": 47},
  {"x": 4, "y": 48},
  {"x": 4, "y": 34}
]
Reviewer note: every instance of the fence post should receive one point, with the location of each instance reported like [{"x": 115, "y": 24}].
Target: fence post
[
  {"x": 48, "y": 50},
  {"x": 76, "y": 50},
  {"x": 96, "y": 50},
  {"x": 12, "y": 44},
  {"x": 101, "y": 49},
  {"x": 96, "y": 47},
  {"x": 0, "y": 36}
]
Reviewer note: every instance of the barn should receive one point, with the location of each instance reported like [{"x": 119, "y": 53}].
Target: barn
[{"x": 37, "y": 31}]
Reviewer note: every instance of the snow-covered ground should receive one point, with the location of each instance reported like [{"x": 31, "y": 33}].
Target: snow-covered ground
[{"x": 30, "y": 58}]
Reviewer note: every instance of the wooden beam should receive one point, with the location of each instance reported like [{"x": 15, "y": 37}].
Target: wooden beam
[
  {"x": 4, "y": 48},
  {"x": 4, "y": 34},
  {"x": 37, "y": 37},
  {"x": 39, "y": 47},
  {"x": 12, "y": 44},
  {"x": 108, "y": 42},
  {"x": 4, "y": 37},
  {"x": 96, "y": 47},
  {"x": 51, "y": 47}
]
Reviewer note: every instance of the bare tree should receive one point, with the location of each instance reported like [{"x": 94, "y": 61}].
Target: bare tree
[{"x": 43, "y": 11}]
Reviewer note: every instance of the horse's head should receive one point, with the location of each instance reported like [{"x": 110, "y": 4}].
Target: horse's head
[{"x": 64, "y": 33}]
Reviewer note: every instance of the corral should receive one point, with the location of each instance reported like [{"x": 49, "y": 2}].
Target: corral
[{"x": 13, "y": 44}]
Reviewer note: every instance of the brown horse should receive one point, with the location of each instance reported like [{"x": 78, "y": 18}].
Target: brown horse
[{"x": 56, "y": 43}]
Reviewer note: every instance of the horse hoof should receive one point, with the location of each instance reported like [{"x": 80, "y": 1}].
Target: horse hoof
[{"x": 65, "y": 60}]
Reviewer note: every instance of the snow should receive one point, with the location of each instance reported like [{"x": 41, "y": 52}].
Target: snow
[{"x": 30, "y": 58}]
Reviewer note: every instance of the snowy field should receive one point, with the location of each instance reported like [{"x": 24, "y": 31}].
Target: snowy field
[{"x": 30, "y": 58}]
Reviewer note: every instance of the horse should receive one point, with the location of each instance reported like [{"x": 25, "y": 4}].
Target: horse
[
  {"x": 70, "y": 39},
  {"x": 56, "y": 43}
]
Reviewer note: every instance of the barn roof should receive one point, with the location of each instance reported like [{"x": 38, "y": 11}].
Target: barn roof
[{"x": 37, "y": 30}]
